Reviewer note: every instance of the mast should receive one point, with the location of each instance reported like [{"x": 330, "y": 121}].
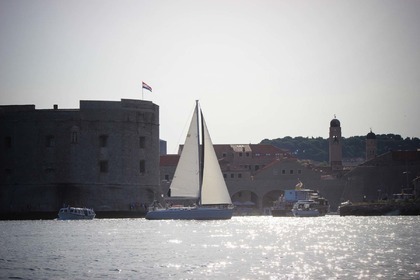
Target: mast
[{"x": 200, "y": 151}]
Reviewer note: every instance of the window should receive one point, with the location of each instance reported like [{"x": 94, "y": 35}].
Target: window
[
  {"x": 167, "y": 177},
  {"x": 50, "y": 141},
  {"x": 240, "y": 154},
  {"x": 49, "y": 170},
  {"x": 74, "y": 134},
  {"x": 240, "y": 175},
  {"x": 74, "y": 137},
  {"x": 232, "y": 175},
  {"x": 7, "y": 142},
  {"x": 224, "y": 155},
  {"x": 142, "y": 142},
  {"x": 291, "y": 171},
  {"x": 299, "y": 171},
  {"x": 103, "y": 166},
  {"x": 103, "y": 141},
  {"x": 247, "y": 154},
  {"x": 142, "y": 166},
  {"x": 283, "y": 171}
]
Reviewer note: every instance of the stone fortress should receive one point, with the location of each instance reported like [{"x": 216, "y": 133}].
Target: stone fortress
[
  {"x": 107, "y": 155},
  {"x": 104, "y": 155}
]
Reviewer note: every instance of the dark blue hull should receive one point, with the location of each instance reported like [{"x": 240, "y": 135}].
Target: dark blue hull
[{"x": 190, "y": 213}]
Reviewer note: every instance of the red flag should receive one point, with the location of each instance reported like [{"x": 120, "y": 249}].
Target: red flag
[{"x": 146, "y": 86}]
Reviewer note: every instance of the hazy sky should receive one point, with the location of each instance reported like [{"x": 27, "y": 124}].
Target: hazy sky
[{"x": 261, "y": 69}]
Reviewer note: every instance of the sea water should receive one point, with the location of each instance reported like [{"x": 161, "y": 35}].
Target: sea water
[{"x": 330, "y": 247}]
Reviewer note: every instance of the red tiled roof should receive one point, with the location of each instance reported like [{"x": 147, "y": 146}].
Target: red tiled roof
[
  {"x": 262, "y": 149},
  {"x": 266, "y": 149},
  {"x": 219, "y": 148},
  {"x": 169, "y": 160},
  {"x": 255, "y": 148}
]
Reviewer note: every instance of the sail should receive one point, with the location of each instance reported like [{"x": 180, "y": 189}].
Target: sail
[
  {"x": 213, "y": 190},
  {"x": 191, "y": 181},
  {"x": 186, "y": 178}
]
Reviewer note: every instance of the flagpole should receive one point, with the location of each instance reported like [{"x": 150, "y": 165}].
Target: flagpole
[{"x": 142, "y": 94}]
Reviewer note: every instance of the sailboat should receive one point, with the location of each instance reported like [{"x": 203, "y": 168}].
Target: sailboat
[{"x": 197, "y": 177}]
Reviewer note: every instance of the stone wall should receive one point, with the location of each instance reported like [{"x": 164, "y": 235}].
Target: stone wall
[{"x": 103, "y": 155}]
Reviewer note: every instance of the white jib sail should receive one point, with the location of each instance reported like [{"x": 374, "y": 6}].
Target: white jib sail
[
  {"x": 213, "y": 190},
  {"x": 186, "y": 178}
]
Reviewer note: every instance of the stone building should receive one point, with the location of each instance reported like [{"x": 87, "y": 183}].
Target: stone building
[
  {"x": 381, "y": 177},
  {"x": 104, "y": 155},
  {"x": 257, "y": 174}
]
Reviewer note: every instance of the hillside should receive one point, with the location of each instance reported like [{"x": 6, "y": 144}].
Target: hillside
[{"x": 353, "y": 147}]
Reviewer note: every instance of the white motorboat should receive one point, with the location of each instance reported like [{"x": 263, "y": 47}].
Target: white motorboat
[
  {"x": 284, "y": 205},
  {"x": 305, "y": 208},
  {"x": 198, "y": 178},
  {"x": 75, "y": 213}
]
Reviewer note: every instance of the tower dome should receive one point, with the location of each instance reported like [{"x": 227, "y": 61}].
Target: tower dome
[
  {"x": 335, "y": 123},
  {"x": 371, "y": 135}
]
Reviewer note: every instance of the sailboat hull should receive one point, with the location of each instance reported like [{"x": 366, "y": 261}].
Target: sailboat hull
[{"x": 190, "y": 213}]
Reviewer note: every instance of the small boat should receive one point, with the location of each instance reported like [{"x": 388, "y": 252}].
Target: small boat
[
  {"x": 75, "y": 213},
  {"x": 305, "y": 208},
  {"x": 197, "y": 179},
  {"x": 283, "y": 206}
]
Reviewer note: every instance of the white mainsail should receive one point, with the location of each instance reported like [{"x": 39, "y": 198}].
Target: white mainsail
[
  {"x": 186, "y": 179},
  {"x": 188, "y": 176},
  {"x": 213, "y": 189}
]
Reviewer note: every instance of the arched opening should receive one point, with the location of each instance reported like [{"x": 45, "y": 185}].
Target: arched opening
[
  {"x": 269, "y": 200},
  {"x": 246, "y": 203}
]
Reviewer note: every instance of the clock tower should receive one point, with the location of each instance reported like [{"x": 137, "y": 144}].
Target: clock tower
[
  {"x": 370, "y": 145},
  {"x": 335, "y": 146}
]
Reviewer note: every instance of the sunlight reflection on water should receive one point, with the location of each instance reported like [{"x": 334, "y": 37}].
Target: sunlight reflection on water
[{"x": 330, "y": 247}]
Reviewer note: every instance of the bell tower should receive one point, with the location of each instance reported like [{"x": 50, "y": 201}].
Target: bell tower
[
  {"x": 371, "y": 146},
  {"x": 335, "y": 145}
]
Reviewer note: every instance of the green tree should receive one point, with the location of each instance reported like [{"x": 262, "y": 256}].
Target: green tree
[{"x": 353, "y": 147}]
